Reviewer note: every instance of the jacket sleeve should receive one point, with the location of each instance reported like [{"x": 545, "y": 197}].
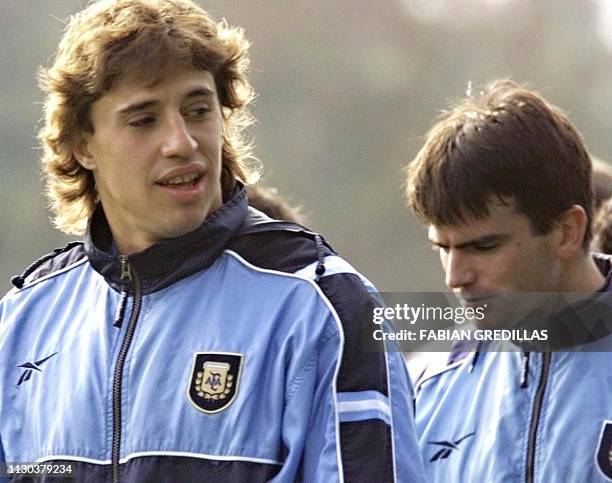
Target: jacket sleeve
[
  {"x": 359, "y": 404},
  {"x": 3, "y": 468},
  {"x": 2, "y": 457}
]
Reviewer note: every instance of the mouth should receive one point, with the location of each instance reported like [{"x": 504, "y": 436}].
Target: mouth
[
  {"x": 182, "y": 181},
  {"x": 186, "y": 184},
  {"x": 475, "y": 300}
]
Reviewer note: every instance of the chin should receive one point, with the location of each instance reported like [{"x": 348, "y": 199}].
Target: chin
[
  {"x": 491, "y": 308},
  {"x": 184, "y": 226}
]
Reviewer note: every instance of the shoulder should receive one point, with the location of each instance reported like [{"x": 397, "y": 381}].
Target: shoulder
[
  {"x": 53, "y": 263},
  {"x": 293, "y": 249},
  {"x": 278, "y": 245}
]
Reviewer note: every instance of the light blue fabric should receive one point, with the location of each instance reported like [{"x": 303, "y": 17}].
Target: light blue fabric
[
  {"x": 63, "y": 397},
  {"x": 2, "y": 462},
  {"x": 286, "y": 407},
  {"x": 486, "y": 399}
]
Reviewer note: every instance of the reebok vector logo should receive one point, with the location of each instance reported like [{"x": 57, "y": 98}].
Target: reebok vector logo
[
  {"x": 447, "y": 447},
  {"x": 30, "y": 367}
]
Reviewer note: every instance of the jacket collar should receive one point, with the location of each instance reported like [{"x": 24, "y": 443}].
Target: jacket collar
[
  {"x": 570, "y": 328},
  {"x": 576, "y": 323},
  {"x": 169, "y": 260}
]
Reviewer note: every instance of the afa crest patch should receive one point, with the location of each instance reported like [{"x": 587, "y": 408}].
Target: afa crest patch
[
  {"x": 604, "y": 450},
  {"x": 214, "y": 382}
]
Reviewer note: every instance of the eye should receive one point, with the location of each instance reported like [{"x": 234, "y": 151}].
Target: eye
[
  {"x": 198, "y": 111},
  {"x": 142, "y": 121},
  {"x": 485, "y": 248}
]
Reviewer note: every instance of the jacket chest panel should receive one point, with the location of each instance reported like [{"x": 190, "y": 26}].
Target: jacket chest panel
[{"x": 490, "y": 403}]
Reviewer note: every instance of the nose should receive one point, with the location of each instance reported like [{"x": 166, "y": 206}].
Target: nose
[
  {"x": 459, "y": 270},
  {"x": 177, "y": 141}
]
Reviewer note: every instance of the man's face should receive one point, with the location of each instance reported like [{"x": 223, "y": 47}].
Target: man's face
[
  {"x": 485, "y": 260},
  {"x": 156, "y": 156}
]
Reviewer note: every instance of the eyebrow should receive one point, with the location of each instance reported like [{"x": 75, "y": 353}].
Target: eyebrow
[
  {"x": 139, "y": 106},
  {"x": 483, "y": 240}
]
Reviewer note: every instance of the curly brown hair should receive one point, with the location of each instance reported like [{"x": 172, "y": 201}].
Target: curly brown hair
[{"x": 114, "y": 38}]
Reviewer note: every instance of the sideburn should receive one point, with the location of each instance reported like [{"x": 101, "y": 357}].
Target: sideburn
[{"x": 228, "y": 182}]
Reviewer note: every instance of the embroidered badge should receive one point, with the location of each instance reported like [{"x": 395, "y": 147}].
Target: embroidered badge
[
  {"x": 604, "y": 450},
  {"x": 214, "y": 380}
]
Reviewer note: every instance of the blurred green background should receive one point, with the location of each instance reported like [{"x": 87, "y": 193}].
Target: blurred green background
[{"x": 347, "y": 90}]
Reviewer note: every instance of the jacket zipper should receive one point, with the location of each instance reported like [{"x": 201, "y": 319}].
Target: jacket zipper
[
  {"x": 128, "y": 278},
  {"x": 535, "y": 419}
]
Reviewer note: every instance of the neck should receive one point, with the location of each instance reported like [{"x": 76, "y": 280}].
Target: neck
[
  {"x": 126, "y": 246},
  {"x": 582, "y": 275}
]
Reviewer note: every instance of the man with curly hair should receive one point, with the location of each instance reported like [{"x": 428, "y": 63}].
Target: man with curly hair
[{"x": 189, "y": 337}]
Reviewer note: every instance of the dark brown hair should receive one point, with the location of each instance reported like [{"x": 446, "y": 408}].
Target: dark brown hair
[{"x": 506, "y": 143}]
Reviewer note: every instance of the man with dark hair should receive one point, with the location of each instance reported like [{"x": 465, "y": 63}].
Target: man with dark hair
[
  {"x": 188, "y": 338},
  {"x": 503, "y": 183}
]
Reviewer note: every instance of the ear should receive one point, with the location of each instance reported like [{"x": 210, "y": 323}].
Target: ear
[
  {"x": 80, "y": 150},
  {"x": 572, "y": 227}
]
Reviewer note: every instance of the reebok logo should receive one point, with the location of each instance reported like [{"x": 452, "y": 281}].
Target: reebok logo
[
  {"x": 447, "y": 447},
  {"x": 30, "y": 367}
]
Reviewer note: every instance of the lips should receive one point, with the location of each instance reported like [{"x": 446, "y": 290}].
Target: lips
[
  {"x": 181, "y": 180},
  {"x": 183, "y": 176},
  {"x": 473, "y": 300},
  {"x": 186, "y": 184}
]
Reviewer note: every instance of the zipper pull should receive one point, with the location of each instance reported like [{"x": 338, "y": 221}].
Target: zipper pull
[
  {"x": 524, "y": 370},
  {"x": 126, "y": 269},
  {"x": 320, "y": 270},
  {"x": 118, "y": 322},
  {"x": 126, "y": 279}
]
